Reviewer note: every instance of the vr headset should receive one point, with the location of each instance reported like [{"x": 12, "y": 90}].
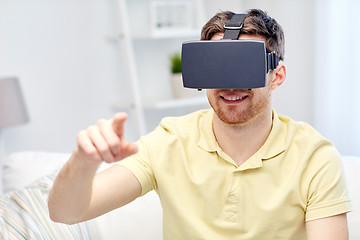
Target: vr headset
[{"x": 228, "y": 63}]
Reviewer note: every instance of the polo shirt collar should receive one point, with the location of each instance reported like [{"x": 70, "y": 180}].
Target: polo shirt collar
[
  {"x": 273, "y": 146},
  {"x": 275, "y": 143},
  {"x": 207, "y": 140}
]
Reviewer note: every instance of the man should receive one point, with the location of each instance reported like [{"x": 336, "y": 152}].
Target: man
[{"x": 238, "y": 171}]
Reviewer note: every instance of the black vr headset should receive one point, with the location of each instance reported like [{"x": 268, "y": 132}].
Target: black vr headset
[{"x": 228, "y": 63}]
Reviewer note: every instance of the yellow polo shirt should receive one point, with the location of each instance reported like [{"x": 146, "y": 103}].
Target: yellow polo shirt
[{"x": 296, "y": 176}]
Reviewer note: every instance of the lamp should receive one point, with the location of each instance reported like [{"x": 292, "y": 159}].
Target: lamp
[
  {"x": 12, "y": 110},
  {"x": 12, "y": 106}
]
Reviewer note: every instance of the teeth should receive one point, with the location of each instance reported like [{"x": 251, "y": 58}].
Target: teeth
[{"x": 234, "y": 98}]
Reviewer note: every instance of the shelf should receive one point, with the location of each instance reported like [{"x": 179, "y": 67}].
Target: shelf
[
  {"x": 170, "y": 34},
  {"x": 185, "y": 34},
  {"x": 168, "y": 104},
  {"x": 150, "y": 24},
  {"x": 179, "y": 103}
]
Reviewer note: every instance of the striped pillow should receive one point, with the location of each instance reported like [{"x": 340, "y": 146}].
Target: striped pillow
[{"x": 24, "y": 215}]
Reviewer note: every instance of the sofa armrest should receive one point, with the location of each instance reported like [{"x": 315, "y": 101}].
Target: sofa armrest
[{"x": 352, "y": 174}]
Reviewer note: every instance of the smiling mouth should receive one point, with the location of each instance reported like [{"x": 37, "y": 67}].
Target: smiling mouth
[{"x": 234, "y": 98}]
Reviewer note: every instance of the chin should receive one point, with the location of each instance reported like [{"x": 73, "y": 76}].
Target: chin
[{"x": 237, "y": 118}]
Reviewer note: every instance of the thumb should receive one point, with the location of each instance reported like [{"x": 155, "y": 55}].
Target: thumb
[{"x": 128, "y": 149}]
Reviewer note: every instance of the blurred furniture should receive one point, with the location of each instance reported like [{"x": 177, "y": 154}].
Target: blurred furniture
[
  {"x": 12, "y": 109},
  {"x": 163, "y": 26},
  {"x": 28, "y": 178},
  {"x": 141, "y": 219}
]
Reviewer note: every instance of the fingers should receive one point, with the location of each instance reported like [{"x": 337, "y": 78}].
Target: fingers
[
  {"x": 105, "y": 140},
  {"x": 100, "y": 144},
  {"x": 86, "y": 146},
  {"x": 118, "y": 123},
  {"x": 109, "y": 135}
]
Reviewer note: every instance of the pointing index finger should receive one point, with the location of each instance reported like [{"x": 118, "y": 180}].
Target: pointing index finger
[{"x": 118, "y": 123}]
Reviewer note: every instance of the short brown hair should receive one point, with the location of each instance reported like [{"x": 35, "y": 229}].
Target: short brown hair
[{"x": 257, "y": 22}]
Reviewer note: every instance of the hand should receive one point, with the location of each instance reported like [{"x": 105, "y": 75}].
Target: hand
[{"x": 105, "y": 141}]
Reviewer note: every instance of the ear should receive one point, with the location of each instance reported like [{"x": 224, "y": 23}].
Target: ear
[{"x": 279, "y": 76}]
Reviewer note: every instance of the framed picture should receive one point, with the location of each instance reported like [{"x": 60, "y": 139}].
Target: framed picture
[{"x": 171, "y": 16}]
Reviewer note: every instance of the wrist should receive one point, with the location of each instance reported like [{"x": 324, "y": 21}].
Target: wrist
[{"x": 83, "y": 163}]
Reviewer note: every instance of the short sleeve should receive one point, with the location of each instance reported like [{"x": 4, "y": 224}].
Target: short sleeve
[
  {"x": 140, "y": 163},
  {"x": 327, "y": 193}
]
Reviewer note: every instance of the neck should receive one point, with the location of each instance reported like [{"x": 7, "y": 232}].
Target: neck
[{"x": 242, "y": 141}]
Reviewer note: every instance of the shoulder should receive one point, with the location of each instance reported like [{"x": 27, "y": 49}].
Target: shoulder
[
  {"x": 301, "y": 132},
  {"x": 307, "y": 143}
]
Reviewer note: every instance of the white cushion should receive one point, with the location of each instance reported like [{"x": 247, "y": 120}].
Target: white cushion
[
  {"x": 352, "y": 173},
  {"x": 22, "y": 168},
  {"x": 140, "y": 220},
  {"x": 24, "y": 215}
]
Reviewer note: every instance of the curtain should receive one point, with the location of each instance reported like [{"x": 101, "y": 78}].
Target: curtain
[{"x": 337, "y": 73}]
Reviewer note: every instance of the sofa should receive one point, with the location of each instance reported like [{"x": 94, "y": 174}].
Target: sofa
[{"x": 27, "y": 179}]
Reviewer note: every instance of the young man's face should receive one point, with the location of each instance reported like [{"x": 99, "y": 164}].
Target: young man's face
[{"x": 238, "y": 106}]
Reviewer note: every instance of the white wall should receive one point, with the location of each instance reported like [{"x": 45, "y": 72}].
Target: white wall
[
  {"x": 295, "y": 97},
  {"x": 337, "y": 112},
  {"x": 66, "y": 66},
  {"x": 71, "y": 73}
]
